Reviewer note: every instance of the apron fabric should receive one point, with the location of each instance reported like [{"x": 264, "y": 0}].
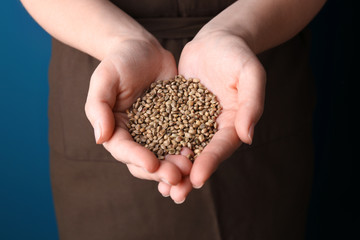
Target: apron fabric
[{"x": 260, "y": 192}]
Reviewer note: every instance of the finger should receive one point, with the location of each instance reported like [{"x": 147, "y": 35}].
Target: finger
[
  {"x": 167, "y": 173},
  {"x": 187, "y": 152},
  {"x": 123, "y": 148},
  {"x": 182, "y": 162},
  {"x": 100, "y": 100},
  {"x": 180, "y": 191},
  {"x": 251, "y": 95},
  {"x": 221, "y": 146},
  {"x": 164, "y": 189}
]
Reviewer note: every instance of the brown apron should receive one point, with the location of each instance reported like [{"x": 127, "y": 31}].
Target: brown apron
[{"x": 261, "y": 192}]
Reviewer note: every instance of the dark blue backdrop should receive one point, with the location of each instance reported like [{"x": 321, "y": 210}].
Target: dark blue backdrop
[{"x": 26, "y": 210}]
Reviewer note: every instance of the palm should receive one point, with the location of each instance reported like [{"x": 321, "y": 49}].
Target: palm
[
  {"x": 136, "y": 70},
  {"x": 227, "y": 67},
  {"x": 117, "y": 82},
  {"x": 135, "y": 66}
]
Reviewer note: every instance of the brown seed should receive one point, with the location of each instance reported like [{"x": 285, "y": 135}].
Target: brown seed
[
  {"x": 187, "y": 135},
  {"x": 204, "y": 130},
  {"x": 192, "y": 131},
  {"x": 197, "y": 151},
  {"x": 178, "y": 139}
]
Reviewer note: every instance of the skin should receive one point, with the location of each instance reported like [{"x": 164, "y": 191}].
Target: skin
[{"x": 222, "y": 55}]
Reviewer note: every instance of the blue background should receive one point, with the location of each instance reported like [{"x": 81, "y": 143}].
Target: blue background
[{"x": 26, "y": 210}]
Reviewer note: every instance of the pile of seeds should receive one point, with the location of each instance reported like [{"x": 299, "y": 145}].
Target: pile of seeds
[{"x": 173, "y": 114}]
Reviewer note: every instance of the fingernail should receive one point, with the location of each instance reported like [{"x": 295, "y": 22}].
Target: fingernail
[
  {"x": 167, "y": 195},
  {"x": 251, "y": 133},
  {"x": 165, "y": 181},
  {"x": 97, "y": 132},
  {"x": 198, "y": 186},
  {"x": 179, "y": 202}
]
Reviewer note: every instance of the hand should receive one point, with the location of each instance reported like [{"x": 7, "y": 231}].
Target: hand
[
  {"x": 227, "y": 67},
  {"x": 121, "y": 78}
]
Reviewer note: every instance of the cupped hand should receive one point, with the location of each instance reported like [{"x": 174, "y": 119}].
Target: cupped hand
[
  {"x": 121, "y": 77},
  {"x": 225, "y": 64}
]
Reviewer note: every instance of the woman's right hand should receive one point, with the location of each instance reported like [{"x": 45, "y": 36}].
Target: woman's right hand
[{"x": 121, "y": 77}]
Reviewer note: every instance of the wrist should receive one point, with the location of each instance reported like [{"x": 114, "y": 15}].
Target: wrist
[
  {"x": 218, "y": 27},
  {"x": 214, "y": 30},
  {"x": 122, "y": 38}
]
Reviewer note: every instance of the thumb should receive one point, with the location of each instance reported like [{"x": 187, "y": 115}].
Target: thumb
[
  {"x": 100, "y": 101},
  {"x": 251, "y": 95}
]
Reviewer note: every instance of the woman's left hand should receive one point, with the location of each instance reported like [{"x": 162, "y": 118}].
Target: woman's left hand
[{"x": 225, "y": 64}]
